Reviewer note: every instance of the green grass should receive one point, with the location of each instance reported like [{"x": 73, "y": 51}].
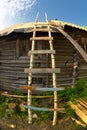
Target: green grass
[{"x": 64, "y": 96}]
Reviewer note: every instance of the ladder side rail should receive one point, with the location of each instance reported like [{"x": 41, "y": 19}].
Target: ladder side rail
[
  {"x": 29, "y": 83},
  {"x": 29, "y": 100},
  {"x": 53, "y": 75}
]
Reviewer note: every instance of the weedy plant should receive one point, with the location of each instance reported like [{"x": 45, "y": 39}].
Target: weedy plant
[{"x": 64, "y": 96}]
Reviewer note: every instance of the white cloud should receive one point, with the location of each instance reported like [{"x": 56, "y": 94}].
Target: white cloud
[
  {"x": 11, "y": 8},
  {"x": 15, "y": 6}
]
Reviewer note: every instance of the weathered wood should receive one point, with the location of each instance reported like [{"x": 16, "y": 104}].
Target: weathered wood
[
  {"x": 64, "y": 52},
  {"x": 42, "y": 70},
  {"x": 17, "y": 48},
  {"x": 42, "y": 52},
  {"x": 41, "y": 38}
]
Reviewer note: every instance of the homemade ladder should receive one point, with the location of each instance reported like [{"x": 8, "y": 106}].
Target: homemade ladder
[{"x": 32, "y": 70}]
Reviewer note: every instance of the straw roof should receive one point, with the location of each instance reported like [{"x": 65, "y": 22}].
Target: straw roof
[{"x": 24, "y": 27}]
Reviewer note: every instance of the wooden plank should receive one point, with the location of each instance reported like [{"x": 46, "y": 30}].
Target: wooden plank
[
  {"x": 42, "y": 52},
  {"x": 42, "y": 70},
  {"x": 41, "y": 38},
  {"x": 42, "y": 89},
  {"x": 82, "y": 109},
  {"x": 82, "y": 103},
  {"x": 44, "y": 109},
  {"x": 74, "y": 43},
  {"x": 78, "y": 112},
  {"x": 41, "y": 24},
  {"x": 42, "y": 29}
]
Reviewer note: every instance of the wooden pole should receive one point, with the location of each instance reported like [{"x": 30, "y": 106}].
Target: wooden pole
[
  {"x": 30, "y": 74},
  {"x": 29, "y": 83},
  {"x": 53, "y": 77},
  {"x": 75, "y": 68}
]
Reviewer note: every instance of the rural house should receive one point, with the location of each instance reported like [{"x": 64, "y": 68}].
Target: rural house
[{"x": 70, "y": 46}]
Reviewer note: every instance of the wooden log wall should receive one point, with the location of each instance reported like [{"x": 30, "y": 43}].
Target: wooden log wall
[
  {"x": 14, "y": 59},
  {"x": 11, "y": 69}
]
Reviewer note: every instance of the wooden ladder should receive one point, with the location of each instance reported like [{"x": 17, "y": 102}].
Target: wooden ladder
[{"x": 33, "y": 70}]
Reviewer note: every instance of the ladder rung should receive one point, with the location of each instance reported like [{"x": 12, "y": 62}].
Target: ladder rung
[
  {"x": 41, "y": 24},
  {"x": 42, "y": 70},
  {"x": 42, "y": 89},
  {"x": 42, "y": 29},
  {"x": 41, "y": 52},
  {"x": 44, "y": 109},
  {"x": 41, "y": 38}
]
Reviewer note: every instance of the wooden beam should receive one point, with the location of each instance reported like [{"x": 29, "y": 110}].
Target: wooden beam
[
  {"x": 41, "y": 38},
  {"x": 42, "y": 52},
  {"x": 42, "y": 70},
  {"x": 74, "y": 43}
]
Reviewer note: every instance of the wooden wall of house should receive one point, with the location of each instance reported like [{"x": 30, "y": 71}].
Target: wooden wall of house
[
  {"x": 11, "y": 65},
  {"x": 81, "y": 37},
  {"x": 14, "y": 58}
]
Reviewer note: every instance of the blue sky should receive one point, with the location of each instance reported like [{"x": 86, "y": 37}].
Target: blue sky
[{"x": 21, "y": 11}]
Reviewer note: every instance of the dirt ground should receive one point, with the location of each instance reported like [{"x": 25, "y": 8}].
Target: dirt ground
[{"x": 21, "y": 124}]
